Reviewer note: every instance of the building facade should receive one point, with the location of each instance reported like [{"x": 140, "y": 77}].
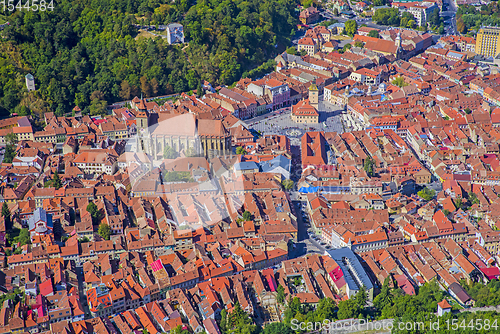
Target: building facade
[{"x": 488, "y": 41}]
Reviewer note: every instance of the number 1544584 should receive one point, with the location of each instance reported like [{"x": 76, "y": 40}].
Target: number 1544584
[{"x": 27, "y": 5}]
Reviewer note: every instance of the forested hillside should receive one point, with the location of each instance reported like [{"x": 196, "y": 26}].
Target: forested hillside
[{"x": 86, "y": 52}]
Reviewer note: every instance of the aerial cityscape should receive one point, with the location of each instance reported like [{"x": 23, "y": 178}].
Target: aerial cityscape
[{"x": 249, "y": 167}]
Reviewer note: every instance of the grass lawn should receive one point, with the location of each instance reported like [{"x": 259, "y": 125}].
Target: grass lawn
[
  {"x": 144, "y": 34},
  {"x": 340, "y": 37},
  {"x": 454, "y": 304}
]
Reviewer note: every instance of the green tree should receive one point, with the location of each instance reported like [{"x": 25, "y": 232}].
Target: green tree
[
  {"x": 350, "y": 27},
  {"x": 484, "y": 295},
  {"x": 10, "y": 148},
  {"x": 223, "y": 321},
  {"x": 6, "y": 215},
  {"x": 287, "y": 184},
  {"x": 427, "y": 194},
  {"x": 387, "y": 16},
  {"x": 461, "y": 27},
  {"x": 326, "y": 309},
  {"x": 11, "y": 139},
  {"x": 21, "y": 110},
  {"x": 369, "y": 165},
  {"x": 346, "y": 47},
  {"x": 145, "y": 86},
  {"x": 291, "y": 50},
  {"x": 473, "y": 198},
  {"x": 446, "y": 212},
  {"x": 104, "y": 231},
  {"x": 434, "y": 19},
  {"x": 348, "y": 309},
  {"x": 69, "y": 64},
  {"x": 84, "y": 240},
  {"x": 239, "y": 322},
  {"x": 56, "y": 181},
  {"x": 199, "y": 89},
  {"x": 459, "y": 203},
  {"x": 23, "y": 238},
  {"x": 241, "y": 150},
  {"x": 247, "y": 216},
  {"x": 179, "y": 330},
  {"x": 169, "y": 153},
  {"x": 294, "y": 306},
  {"x": 399, "y": 81},
  {"x": 327, "y": 23},
  {"x": 406, "y": 17},
  {"x": 9, "y": 154},
  {"x": 277, "y": 328},
  {"x": 177, "y": 176},
  {"x": 281, "y": 294},
  {"x": 98, "y": 107},
  {"x": 373, "y": 33},
  {"x": 359, "y": 44},
  {"x": 467, "y": 110},
  {"x": 385, "y": 296},
  {"x": 95, "y": 213},
  {"x": 361, "y": 297}
]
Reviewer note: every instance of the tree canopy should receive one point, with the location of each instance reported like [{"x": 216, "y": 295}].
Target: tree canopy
[
  {"x": 95, "y": 213},
  {"x": 104, "y": 231},
  {"x": 369, "y": 165},
  {"x": 10, "y": 148},
  {"x": 350, "y": 27},
  {"x": 469, "y": 18},
  {"x": 247, "y": 216},
  {"x": 484, "y": 295},
  {"x": 426, "y": 193},
  {"x": 392, "y": 17},
  {"x": 237, "y": 322},
  {"x": 400, "y": 82},
  {"x": 91, "y": 53},
  {"x": 56, "y": 181},
  {"x": 6, "y": 215},
  {"x": 169, "y": 152},
  {"x": 241, "y": 150}
]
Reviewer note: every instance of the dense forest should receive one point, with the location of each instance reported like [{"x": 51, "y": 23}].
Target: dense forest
[
  {"x": 89, "y": 53},
  {"x": 412, "y": 314}
]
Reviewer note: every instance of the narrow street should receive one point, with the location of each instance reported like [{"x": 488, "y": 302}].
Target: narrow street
[{"x": 81, "y": 288}]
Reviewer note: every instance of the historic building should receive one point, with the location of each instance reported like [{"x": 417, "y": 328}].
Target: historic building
[
  {"x": 306, "y": 111},
  {"x": 182, "y": 133}
]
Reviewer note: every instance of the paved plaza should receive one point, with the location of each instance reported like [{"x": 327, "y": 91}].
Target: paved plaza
[{"x": 329, "y": 121}]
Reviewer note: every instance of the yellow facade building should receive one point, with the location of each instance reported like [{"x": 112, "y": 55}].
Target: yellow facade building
[{"x": 488, "y": 41}]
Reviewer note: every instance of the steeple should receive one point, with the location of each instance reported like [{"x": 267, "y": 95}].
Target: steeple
[
  {"x": 399, "y": 48},
  {"x": 313, "y": 94}
]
